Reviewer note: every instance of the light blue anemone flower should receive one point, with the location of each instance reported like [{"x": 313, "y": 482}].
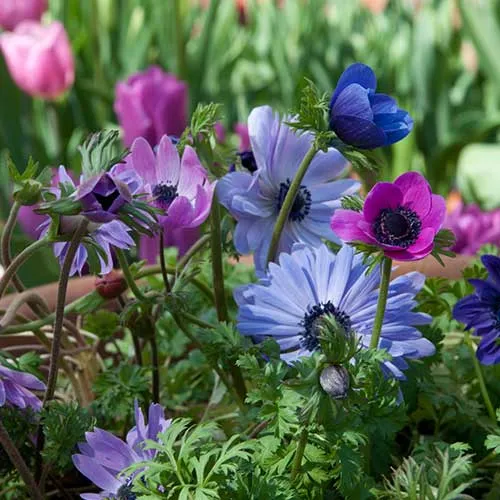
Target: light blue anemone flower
[
  {"x": 254, "y": 199},
  {"x": 312, "y": 282}
]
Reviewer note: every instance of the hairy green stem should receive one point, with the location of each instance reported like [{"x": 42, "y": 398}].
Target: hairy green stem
[
  {"x": 385, "y": 271},
  {"x": 58, "y": 325},
  {"x": 299, "y": 453},
  {"x": 197, "y": 321},
  {"x": 480, "y": 379},
  {"x": 286, "y": 208},
  {"x": 127, "y": 274},
  {"x": 20, "y": 259},
  {"x": 19, "y": 463},
  {"x": 163, "y": 265},
  {"x": 193, "y": 250}
]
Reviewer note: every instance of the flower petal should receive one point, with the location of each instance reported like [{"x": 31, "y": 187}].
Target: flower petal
[{"x": 382, "y": 195}]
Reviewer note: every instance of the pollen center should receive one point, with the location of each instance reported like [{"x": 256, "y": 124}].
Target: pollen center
[
  {"x": 164, "y": 194},
  {"x": 398, "y": 227},
  {"x": 301, "y": 205},
  {"x": 311, "y": 323}
]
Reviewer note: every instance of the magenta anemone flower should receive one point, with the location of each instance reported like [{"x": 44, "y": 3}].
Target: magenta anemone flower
[
  {"x": 104, "y": 456},
  {"x": 14, "y": 389},
  {"x": 402, "y": 218},
  {"x": 178, "y": 186}
]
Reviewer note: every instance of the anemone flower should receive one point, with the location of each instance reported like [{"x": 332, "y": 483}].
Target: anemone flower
[
  {"x": 255, "y": 199},
  {"x": 402, "y": 218},
  {"x": 15, "y": 389},
  {"x": 104, "y": 456},
  {"x": 311, "y": 283},
  {"x": 481, "y": 311}
]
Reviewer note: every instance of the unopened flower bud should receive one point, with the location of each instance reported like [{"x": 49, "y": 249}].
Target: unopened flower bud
[
  {"x": 334, "y": 380},
  {"x": 28, "y": 192},
  {"x": 111, "y": 285}
]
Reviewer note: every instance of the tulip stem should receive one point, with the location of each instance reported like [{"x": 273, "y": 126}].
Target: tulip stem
[
  {"x": 385, "y": 271},
  {"x": 127, "y": 274},
  {"x": 286, "y": 208},
  {"x": 80, "y": 231},
  {"x": 19, "y": 260},
  {"x": 480, "y": 379},
  {"x": 18, "y": 461}
]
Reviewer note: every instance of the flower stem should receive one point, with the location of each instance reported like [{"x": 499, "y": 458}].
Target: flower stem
[
  {"x": 58, "y": 326},
  {"x": 219, "y": 291},
  {"x": 127, "y": 274},
  {"x": 20, "y": 259},
  {"x": 181, "y": 43},
  {"x": 194, "y": 249},
  {"x": 7, "y": 233},
  {"x": 382, "y": 301},
  {"x": 299, "y": 453},
  {"x": 286, "y": 208},
  {"x": 156, "y": 368},
  {"x": 19, "y": 463},
  {"x": 480, "y": 378},
  {"x": 163, "y": 265}
]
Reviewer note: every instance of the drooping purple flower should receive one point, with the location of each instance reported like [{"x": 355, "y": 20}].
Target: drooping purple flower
[
  {"x": 473, "y": 228},
  {"x": 402, "y": 218},
  {"x": 106, "y": 235},
  {"x": 15, "y": 389},
  {"x": 362, "y": 118},
  {"x": 311, "y": 283},
  {"x": 104, "y": 456},
  {"x": 481, "y": 311},
  {"x": 102, "y": 197},
  {"x": 178, "y": 186},
  {"x": 151, "y": 104},
  {"x": 255, "y": 199}
]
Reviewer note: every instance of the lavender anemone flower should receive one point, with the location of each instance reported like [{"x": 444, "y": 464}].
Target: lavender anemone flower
[
  {"x": 14, "y": 389},
  {"x": 106, "y": 235},
  {"x": 481, "y": 311},
  {"x": 103, "y": 456},
  {"x": 178, "y": 186},
  {"x": 311, "y": 283},
  {"x": 473, "y": 228},
  {"x": 402, "y": 218},
  {"x": 362, "y": 118},
  {"x": 254, "y": 200},
  {"x": 102, "y": 197}
]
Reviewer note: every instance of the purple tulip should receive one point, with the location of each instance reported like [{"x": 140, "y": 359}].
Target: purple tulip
[
  {"x": 473, "y": 228},
  {"x": 14, "y": 389},
  {"x": 39, "y": 58},
  {"x": 12, "y": 12},
  {"x": 402, "y": 218},
  {"x": 151, "y": 104},
  {"x": 102, "y": 197}
]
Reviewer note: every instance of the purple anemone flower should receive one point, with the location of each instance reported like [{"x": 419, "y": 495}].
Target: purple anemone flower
[
  {"x": 402, "y": 218},
  {"x": 150, "y": 104},
  {"x": 14, "y": 389},
  {"x": 311, "y": 283},
  {"x": 254, "y": 200},
  {"x": 481, "y": 311},
  {"x": 362, "y": 118},
  {"x": 103, "y": 456},
  {"x": 102, "y": 197},
  {"x": 106, "y": 235},
  {"x": 473, "y": 228}
]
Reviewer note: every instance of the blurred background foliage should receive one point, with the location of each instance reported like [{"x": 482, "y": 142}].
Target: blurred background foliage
[{"x": 438, "y": 57}]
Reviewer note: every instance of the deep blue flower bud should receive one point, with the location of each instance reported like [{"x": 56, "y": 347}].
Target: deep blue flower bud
[{"x": 362, "y": 118}]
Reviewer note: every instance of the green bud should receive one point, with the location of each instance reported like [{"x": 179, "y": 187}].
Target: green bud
[
  {"x": 27, "y": 192},
  {"x": 338, "y": 343},
  {"x": 334, "y": 380}
]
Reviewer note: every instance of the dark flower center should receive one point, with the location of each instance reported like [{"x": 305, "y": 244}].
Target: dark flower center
[
  {"x": 398, "y": 227},
  {"x": 125, "y": 492},
  {"x": 165, "y": 194},
  {"x": 248, "y": 161},
  {"x": 311, "y": 323},
  {"x": 107, "y": 200},
  {"x": 301, "y": 205}
]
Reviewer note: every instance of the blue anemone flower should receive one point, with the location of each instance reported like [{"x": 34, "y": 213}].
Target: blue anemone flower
[
  {"x": 312, "y": 282},
  {"x": 481, "y": 311},
  {"x": 254, "y": 199},
  {"x": 362, "y": 118}
]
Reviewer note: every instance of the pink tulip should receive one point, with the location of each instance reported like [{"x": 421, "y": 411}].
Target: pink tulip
[
  {"x": 12, "y": 12},
  {"x": 39, "y": 58}
]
